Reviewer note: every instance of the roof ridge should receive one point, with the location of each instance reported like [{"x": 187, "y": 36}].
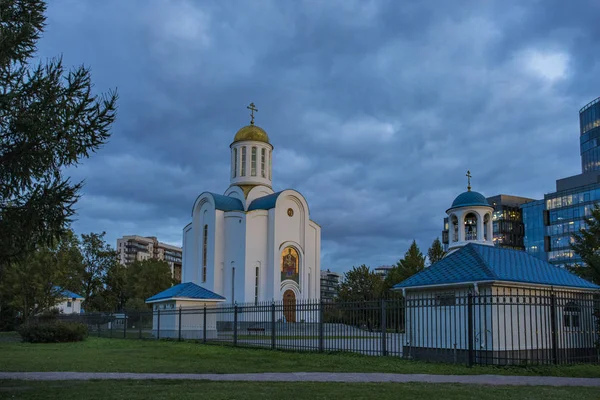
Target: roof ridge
[{"x": 481, "y": 261}]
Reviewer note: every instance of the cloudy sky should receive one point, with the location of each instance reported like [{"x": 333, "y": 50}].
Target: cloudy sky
[{"x": 376, "y": 109}]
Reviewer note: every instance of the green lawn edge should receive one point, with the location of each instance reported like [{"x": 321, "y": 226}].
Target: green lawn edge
[{"x": 132, "y": 355}]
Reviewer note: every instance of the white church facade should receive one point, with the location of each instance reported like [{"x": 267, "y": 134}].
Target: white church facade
[{"x": 252, "y": 244}]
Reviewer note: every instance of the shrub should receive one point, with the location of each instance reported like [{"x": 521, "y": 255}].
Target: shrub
[{"x": 53, "y": 332}]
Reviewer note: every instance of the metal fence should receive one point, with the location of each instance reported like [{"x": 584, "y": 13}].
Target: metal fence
[{"x": 497, "y": 326}]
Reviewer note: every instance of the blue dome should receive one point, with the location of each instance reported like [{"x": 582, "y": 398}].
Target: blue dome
[{"x": 470, "y": 199}]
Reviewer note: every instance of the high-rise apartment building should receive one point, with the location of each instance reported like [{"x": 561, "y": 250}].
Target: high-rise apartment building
[
  {"x": 139, "y": 248},
  {"x": 330, "y": 285}
]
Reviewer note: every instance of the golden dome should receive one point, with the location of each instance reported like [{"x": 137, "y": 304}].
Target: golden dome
[{"x": 251, "y": 132}]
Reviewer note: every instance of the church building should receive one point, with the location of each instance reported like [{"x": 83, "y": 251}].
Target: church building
[{"x": 253, "y": 244}]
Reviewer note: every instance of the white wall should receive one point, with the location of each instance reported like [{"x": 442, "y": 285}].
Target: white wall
[
  {"x": 192, "y": 319},
  {"x": 74, "y": 307}
]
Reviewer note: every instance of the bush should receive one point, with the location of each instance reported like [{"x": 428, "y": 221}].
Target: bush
[{"x": 53, "y": 332}]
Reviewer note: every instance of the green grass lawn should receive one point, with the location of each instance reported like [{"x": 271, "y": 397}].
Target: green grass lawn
[
  {"x": 121, "y": 355},
  {"x": 182, "y": 390}
]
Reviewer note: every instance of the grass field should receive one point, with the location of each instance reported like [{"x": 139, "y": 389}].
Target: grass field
[
  {"x": 120, "y": 355},
  {"x": 182, "y": 390}
]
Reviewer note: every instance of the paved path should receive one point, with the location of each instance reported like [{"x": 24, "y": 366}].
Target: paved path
[{"x": 315, "y": 377}]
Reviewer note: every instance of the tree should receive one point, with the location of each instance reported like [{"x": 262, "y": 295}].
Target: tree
[
  {"x": 35, "y": 284},
  {"x": 413, "y": 262},
  {"x": 98, "y": 259},
  {"x": 586, "y": 243},
  {"x": 49, "y": 120},
  {"x": 359, "y": 284},
  {"x": 436, "y": 252},
  {"x": 147, "y": 278},
  {"x": 116, "y": 291}
]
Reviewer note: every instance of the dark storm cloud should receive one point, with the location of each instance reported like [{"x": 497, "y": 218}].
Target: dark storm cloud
[{"x": 376, "y": 109}]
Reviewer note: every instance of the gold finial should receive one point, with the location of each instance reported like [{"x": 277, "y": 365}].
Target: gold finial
[
  {"x": 469, "y": 180},
  {"x": 252, "y": 108}
]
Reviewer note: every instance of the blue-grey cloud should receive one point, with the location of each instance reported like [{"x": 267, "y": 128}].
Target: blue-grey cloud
[{"x": 376, "y": 109}]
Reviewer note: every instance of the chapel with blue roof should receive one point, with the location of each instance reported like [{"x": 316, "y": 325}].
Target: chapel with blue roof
[
  {"x": 251, "y": 243},
  {"x": 473, "y": 261}
]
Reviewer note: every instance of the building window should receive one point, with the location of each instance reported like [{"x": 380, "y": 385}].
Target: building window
[
  {"x": 571, "y": 315},
  {"x": 454, "y": 228},
  {"x": 253, "y": 166},
  {"x": 233, "y": 284},
  {"x": 235, "y": 163},
  {"x": 68, "y": 304},
  {"x": 243, "y": 161},
  {"x": 445, "y": 299},
  {"x": 263, "y": 154},
  {"x": 270, "y": 166},
  {"x": 256, "y": 286},
  {"x": 204, "y": 252}
]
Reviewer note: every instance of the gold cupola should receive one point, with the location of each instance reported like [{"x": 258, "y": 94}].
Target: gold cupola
[{"x": 251, "y": 132}]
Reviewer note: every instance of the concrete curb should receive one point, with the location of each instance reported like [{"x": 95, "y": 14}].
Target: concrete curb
[{"x": 495, "y": 380}]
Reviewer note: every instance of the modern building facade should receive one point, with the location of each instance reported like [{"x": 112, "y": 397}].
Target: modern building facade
[
  {"x": 508, "y": 229},
  {"x": 139, "y": 248},
  {"x": 383, "y": 270},
  {"x": 330, "y": 285},
  {"x": 551, "y": 222}
]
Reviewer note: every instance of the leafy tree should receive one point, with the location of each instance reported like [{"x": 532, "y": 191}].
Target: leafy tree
[
  {"x": 136, "y": 304},
  {"x": 413, "y": 262},
  {"x": 98, "y": 259},
  {"x": 436, "y": 252},
  {"x": 148, "y": 277},
  {"x": 587, "y": 245},
  {"x": 360, "y": 283},
  {"x": 49, "y": 120},
  {"x": 34, "y": 284},
  {"x": 116, "y": 291}
]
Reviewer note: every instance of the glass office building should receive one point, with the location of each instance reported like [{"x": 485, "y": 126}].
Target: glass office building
[
  {"x": 535, "y": 229},
  {"x": 589, "y": 126}
]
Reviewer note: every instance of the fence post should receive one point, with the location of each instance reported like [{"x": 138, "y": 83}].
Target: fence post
[
  {"x": 179, "y": 326},
  {"x": 553, "y": 328},
  {"x": 383, "y": 328},
  {"x": 273, "y": 326},
  {"x": 321, "y": 336},
  {"x": 158, "y": 325},
  {"x": 126, "y": 317},
  {"x": 235, "y": 321},
  {"x": 204, "y": 326},
  {"x": 112, "y": 322},
  {"x": 470, "y": 330},
  {"x": 140, "y": 327}
]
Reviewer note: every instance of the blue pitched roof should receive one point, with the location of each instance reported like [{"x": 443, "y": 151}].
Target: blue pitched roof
[
  {"x": 264, "y": 203},
  {"x": 226, "y": 203},
  {"x": 469, "y": 199},
  {"x": 68, "y": 293},
  {"x": 477, "y": 263},
  {"x": 188, "y": 290}
]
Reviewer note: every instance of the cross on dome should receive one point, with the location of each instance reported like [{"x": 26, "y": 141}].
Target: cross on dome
[
  {"x": 469, "y": 180},
  {"x": 252, "y": 108}
]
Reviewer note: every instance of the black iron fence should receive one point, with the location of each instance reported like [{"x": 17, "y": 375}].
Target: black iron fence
[{"x": 493, "y": 326}]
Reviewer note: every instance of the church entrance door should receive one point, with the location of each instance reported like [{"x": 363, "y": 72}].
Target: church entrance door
[{"x": 289, "y": 305}]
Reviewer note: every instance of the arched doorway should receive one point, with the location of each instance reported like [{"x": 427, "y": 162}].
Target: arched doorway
[{"x": 289, "y": 305}]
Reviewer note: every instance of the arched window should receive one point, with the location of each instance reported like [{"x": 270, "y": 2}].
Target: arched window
[
  {"x": 270, "y": 162},
  {"x": 253, "y": 161},
  {"x": 243, "y": 161},
  {"x": 455, "y": 228},
  {"x": 571, "y": 315},
  {"x": 262, "y": 162},
  {"x": 289, "y": 264},
  {"x": 235, "y": 163},
  {"x": 471, "y": 226},
  {"x": 204, "y": 252}
]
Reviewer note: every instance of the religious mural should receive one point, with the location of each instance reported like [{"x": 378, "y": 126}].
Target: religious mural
[{"x": 289, "y": 264}]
